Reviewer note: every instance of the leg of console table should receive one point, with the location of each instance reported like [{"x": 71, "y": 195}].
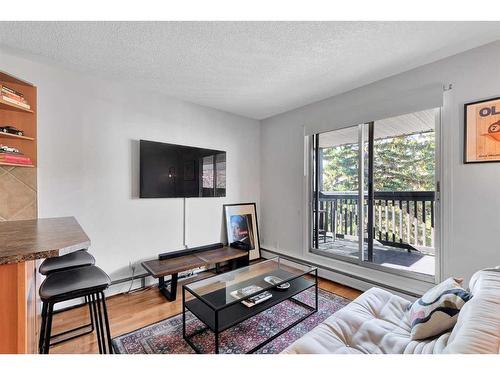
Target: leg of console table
[
  {"x": 172, "y": 294},
  {"x": 161, "y": 284},
  {"x": 243, "y": 261},
  {"x": 173, "y": 286}
]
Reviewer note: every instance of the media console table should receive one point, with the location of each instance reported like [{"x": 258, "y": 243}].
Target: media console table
[{"x": 170, "y": 264}]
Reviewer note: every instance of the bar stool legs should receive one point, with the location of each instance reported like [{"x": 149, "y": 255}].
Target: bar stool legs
[
  {"x": 102, "y": 323},
  {"x": 43, "y": 327},
  {"x": 48, "y": 328},
  {"x": 97, "y": 324},
  {"x": 99, "y": 318},
  {"x": 106, "y": 322}
]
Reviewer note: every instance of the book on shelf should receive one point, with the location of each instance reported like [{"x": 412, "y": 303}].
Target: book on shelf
[
  {"x": 14, "y": 162},
  {"x": 16, "y": 102},
  {"x": 14, "y": 158},
  {"x": 254, "y": 300},
  {"x": 11, "y": 91},
  {"x": 12, "y": 96},
  {"x": 20, "y": 162}
]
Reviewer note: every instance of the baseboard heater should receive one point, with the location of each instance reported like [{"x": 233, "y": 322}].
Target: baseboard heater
[
  {"x": 319, "y": 266},
  {"x": 144, "y": 275}
]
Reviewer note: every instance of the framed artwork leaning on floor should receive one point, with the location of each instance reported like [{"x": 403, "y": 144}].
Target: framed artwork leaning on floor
[{"x": 242, "y": 228}]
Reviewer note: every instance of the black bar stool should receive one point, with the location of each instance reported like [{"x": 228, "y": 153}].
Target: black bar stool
[
  {"x": 80, "y": 258},
  {"x": 89, "y": 282},
  {"x": 75, "y": 259}
]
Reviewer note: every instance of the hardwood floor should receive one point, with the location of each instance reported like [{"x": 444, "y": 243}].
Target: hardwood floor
[{"x": 128, "y": 312}]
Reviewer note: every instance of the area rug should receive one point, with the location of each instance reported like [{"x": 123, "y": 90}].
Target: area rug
[{"x": 165, "y": 337}]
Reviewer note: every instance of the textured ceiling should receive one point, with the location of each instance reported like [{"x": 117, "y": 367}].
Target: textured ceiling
[{"x": 255, "y": 69}]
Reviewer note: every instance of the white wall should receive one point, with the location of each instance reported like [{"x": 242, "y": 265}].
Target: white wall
[
  {"x": 88, "y": 165},
  {"x": 88, "y": 132},
  {"x": 471, "y": 203}
]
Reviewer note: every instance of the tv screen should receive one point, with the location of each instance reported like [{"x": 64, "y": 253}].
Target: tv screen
[{"x": 175, "y": 171}]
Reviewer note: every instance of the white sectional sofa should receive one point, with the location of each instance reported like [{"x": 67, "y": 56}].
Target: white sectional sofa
[{"x": 376, "y": 322}]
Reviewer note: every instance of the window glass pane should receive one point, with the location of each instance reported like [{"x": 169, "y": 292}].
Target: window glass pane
[
  {"x": 337, "y": 209},
  {"x": 404, "y": 157}
]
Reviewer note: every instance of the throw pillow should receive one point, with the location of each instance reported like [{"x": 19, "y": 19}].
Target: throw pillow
[{"x": 437, "y": 310}]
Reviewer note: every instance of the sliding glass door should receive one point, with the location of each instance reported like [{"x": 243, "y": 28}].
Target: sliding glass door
[
  {"x": 337, "y": 184},
  {"x": 376, "y": 182}
]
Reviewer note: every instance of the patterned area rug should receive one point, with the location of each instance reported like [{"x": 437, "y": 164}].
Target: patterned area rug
[{"x": 165, "y": 337}]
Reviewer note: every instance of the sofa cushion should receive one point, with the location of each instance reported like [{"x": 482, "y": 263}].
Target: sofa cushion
[
  {"x": 437, "y": 310},
  {"x": 377, "y": 322},
  {"x": 374, "y": 323},
  {"x": 478, "y": 326}
]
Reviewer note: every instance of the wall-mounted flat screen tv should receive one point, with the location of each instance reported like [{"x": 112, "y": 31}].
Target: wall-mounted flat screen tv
[{"x": 175, "y": 171}]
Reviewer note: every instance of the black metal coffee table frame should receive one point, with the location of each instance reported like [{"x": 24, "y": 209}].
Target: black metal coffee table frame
[{"x": 196, "y": 306}]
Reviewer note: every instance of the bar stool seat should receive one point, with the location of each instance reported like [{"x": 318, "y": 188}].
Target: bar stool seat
[
  {"x": 73, "y": 283},
  {"x": 80, "y": 258},
  {"x": 89, "y": 282}
]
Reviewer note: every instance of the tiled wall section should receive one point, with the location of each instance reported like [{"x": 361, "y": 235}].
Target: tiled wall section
[{"x": 18, "y": 199}]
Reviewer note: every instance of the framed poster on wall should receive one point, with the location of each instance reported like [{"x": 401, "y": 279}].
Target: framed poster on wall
[{"x": 482, "y": 131}]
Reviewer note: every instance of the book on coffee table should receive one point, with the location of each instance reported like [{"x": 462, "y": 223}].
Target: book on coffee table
[{"x": 254, "y": 300}]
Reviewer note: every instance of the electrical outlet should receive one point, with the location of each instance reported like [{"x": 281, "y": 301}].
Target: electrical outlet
[{"x": 131, "y": 266}]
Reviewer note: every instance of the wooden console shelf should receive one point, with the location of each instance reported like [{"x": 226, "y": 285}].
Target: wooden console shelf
[{"x": 179, "y": 261}]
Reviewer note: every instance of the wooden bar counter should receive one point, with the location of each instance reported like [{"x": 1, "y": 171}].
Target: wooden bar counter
[{"x": 22, "y": 243}]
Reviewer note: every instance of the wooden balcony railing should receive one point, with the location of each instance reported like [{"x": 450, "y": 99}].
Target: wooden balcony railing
[{"x": 403, "y": 219}]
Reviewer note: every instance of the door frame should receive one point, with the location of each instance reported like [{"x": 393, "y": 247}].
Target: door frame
[{"x": 313, "y": 153}]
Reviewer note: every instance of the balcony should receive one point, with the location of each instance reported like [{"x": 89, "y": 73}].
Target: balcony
[{"x": 403, "y": 228}]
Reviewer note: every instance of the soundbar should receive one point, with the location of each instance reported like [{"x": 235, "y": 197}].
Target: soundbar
[{"x": 192, "y": 250}]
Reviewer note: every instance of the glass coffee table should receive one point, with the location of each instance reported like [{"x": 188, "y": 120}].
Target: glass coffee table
[{"x": 217, "y": 301}]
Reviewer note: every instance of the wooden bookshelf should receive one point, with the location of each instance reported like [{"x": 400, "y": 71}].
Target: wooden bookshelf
[
  {"x": 20, "y": 118},
  {"x": 18, "y": 201}
]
